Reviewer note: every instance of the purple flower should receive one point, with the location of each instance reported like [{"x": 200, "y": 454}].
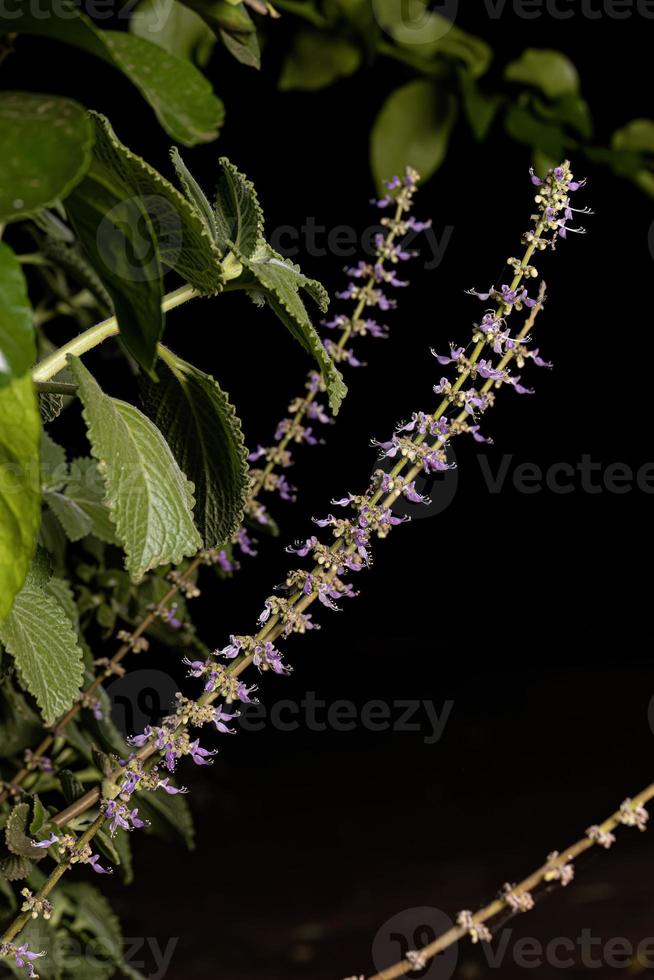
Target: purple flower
[
  {"x": 244, "y": 693},
  {"x": 303, "y": 549},
  {"x": 164, "y": 784},
  {"x": 232, "y": 649},
  {"x": 200, "y": 756},
  {"x": 25, "y": 957},
  {"x": 93, "y": 861},
  {"x": 52, "y": 839},
  {"x": 220, "y": 717}
]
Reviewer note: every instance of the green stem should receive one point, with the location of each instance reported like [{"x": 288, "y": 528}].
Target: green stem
[
  {"x": 56, "y": 362},
  {"x": 55, "y": 388}
]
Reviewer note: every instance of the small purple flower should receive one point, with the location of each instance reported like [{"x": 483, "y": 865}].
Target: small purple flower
[
  {"x": 94, "y": 862},
  {"x": 200, "y": 756},
  {"x": 52, "y": 839},
  {"x": 221, "y": 717},
  {"x": 164, "y": 784}
]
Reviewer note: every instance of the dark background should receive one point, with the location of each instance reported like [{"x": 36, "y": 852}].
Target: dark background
[{"x": 531, "y": 612}]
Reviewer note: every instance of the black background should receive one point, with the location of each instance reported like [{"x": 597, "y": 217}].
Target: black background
[{"x": 531, "y": 612}]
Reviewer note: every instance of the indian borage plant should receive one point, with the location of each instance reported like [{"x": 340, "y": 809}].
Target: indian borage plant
[
  {"x": 418, "y": 446},
  {"x": 389, "y": 251}
]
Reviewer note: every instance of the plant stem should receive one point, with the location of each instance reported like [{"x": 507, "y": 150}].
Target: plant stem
[
  {"x": 55, "y": 387},
  {"x": 499, "y": 905},
  {"x": 56, "y": 362}
]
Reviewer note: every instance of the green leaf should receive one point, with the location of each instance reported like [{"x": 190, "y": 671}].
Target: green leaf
[
  {"x": 85, "y": 489},
  {"x": 61, "y": 590},
  {"x": 17, "y": 344},
  {"x": 20, "y": 727},
  {"x": 412, "y": 129},
  {"x": 70, "y": 786},
  {"x": 180, "y": 95},
  {"x": 194, "y": 193},
  {"x": 20, "y": 496},
  {"x": 550, "y": 71},
  {"x": 16, "y": 836},
  {"x": 149, "y": 498},
  {"x": 232, "y": 22},
  {"x": 205, "y": 436},
  {"x": 54, "y": 468},
  {"x": 279, "y": 281},
  {"x": 15, "y": 868},
  {"x": 175, "y": 28},
  {"x": 479, "y": 107},
  {"x": 428, "y": 34},
  {"x": 632, "y": 153},
  {"x": 238, "y": 214},
  {"x": 185, "y": 244},
  {"x": 46, "y": 148},
  {"x": 39, "y": 935},
  {"x": 123, "y": 845},
  {"x": 43, "y": 643},
  {"x": 170, "y": 817},
  {"x": 317, "y": 59},
  {"x": 547, "y": 138},
  {"x": 96, "y": 920},
  {"x": 121, "y": 243}
]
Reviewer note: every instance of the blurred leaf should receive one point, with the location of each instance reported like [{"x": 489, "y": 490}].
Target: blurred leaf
[
  {"x": 149, "y": 498},
  {"x": 547, "y": 138},
  {"x": 427, "y": 34},
  {"x": 170, "y": 816},
  {"x": 633, "y": 153},
  {"x": 15, "y": 868},
  {"x": 96, "y": 920},
  {"x": 175, "y": 28},
  {"x": 412, "y": 129},
  {"x": 70, "y": 786},
  {"x": 85, "y": 489},
  {"x": 43, "y": 643},
  {"x": 17, "y": 344},
  {"x": 180, "y": 95},
  {"x": 206, "y": 438},
  {"x": 40, "y": 935},
  {"x": 46, "y": 148},
  {"x": 232, "y": 22},
  {"x": 550, "y": 71},
  {"x": 571, "y": 111},
  {"x": 20, "y": 493},
  {"x": 317, "y": 59},
  {"x": 54, "y": 468},
  {"x": 480, "y": 109},
  {"x": 20, "y": 727}
]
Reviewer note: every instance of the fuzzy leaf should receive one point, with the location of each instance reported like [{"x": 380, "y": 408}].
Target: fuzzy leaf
[
  {"x": 175, "y": 28},
  {"x": 550, "y": 71},
  {"x": 20, "y": 496},
  {"x": 205, "y": 436},
  {"x": 16, "y": 868},
  {"x": 17, "y": 346},
  {"x": 180, "y": 95},
  {"x": 122, "y": 245},
  {"x": 194, "y": 193},
  {"x": 238, "y": 213},
  {"x": 184, "y": 242},
  {"x": 43, "y": 643},
  {"x": 412, "y": 129},
  {"x": 16, "y": 836},
  {"x": 279, "y": 281},
  {"x": 150, "y": 499},
  {"x": 46, "y": 148}
]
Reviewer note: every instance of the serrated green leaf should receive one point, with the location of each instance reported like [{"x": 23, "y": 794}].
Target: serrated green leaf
[
  {"x": 238, "y": 214},
  {"x": 54, "y": 468},
  {"x": 16, "y": 836},
  {"x": 184, "y": 243},
  {"x": 72, "y": 518},
  {"x": 61, "y": 590},
  {"x": 20, "y": 493},
  {"x": 317, "y": 59},
  {"x": 150, "y": 499},
  {"x": 43, "y": 643},
  {"x": 550, "y": 71},
  {"x": 96, "y": 920},
  {"x": 46, "y": 148},
  {"x": 175, "y": 28},
  {"x": 20, "y": 727},
  {"x": 412, "y": 129},
  {"x": 85, "y": 489},
  {"x": 180, "y": 95},
  {"x": 205, "y": 436},
  {"x": 70, "y": 786},
  {"x": 16, "y": 868},
  {"x": 122, "y": 245},
  {"x": 279, "y": 281},
  {"x": 169, "y": 815},
  {"x": 17, "y": 343},
  {"x": 194, "y": 193}
]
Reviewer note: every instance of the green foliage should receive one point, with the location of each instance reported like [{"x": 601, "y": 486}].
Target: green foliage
[
  {"x": 170, "y": 817},
  {"x": 44, "y": 645},
  {"x": 46, "y": 142},
  {"x": 77, "y": 499},
  {"x": 413, "y": 128},
  {"x": 95, "y": 921},
  {"x": 20, "y": 727},
  {"x": 17, "y": 344},
  {"x": 175, "y": 28},
  {"x": 549, "y": 71},
  {"x": 149, "y": 498},
  {"x": 633, "y": 152},
  {"x": 20, "y": 497},
  {"x": 179, "y": 94},
  {"x": 232, "y": 23},
  {"x": 315, "y": 61},
  {"x": 238, "y": 214},
  {"x": 16, "y": 836},
  {"x": 205, "y": 436}
]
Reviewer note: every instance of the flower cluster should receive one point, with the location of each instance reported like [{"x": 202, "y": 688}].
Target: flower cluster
[
  {"x": 366, "y": 290},
  {"x": 23, "y": 957},
  {"x": 73, "y": 852}
]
